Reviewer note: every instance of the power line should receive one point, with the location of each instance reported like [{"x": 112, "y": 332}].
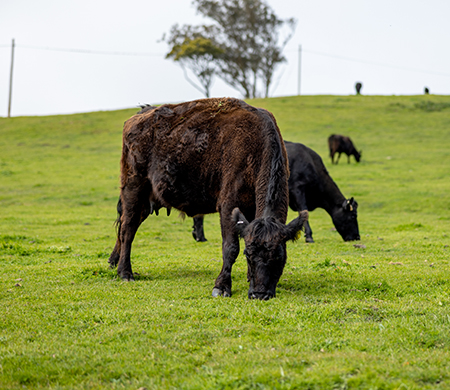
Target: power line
[
  {"x": 85, "y": 51},
  {"x": 375, "y": 63},
  {"x": 148, "y": 54}
]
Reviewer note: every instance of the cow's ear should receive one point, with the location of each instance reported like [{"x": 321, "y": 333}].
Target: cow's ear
[
  {"x": 296, "y": 225},
  {"x": 240, "y": 222},
  {"x": 347, "y": 205}
]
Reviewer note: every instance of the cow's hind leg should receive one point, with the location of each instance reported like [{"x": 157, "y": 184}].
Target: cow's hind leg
[
  {"x": 135, "y": 209},
  {"x": 230, "y": 251},
  {"x": 115, "y": 254},
  {"x": 308, "y": 232}
]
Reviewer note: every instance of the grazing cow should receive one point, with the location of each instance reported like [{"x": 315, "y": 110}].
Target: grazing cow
[
  {"x": 358, "y": 87},
  {"x": 341, "y": 144},
  {"x": 310, "y": 187},
  {"x": 205, "y": 156}
]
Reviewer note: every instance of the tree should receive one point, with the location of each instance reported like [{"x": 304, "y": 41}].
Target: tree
[
  {"x": 245, "y": 44},
  {"x": 192, "y": 50}
]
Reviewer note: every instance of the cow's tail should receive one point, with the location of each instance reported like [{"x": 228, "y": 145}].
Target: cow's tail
[
  {"x": 117, "y": 222},
  {"x": 115, "y": 254}
]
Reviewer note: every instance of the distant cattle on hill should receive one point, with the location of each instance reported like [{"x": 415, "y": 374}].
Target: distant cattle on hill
[
  {"x": 358, "y": 87},
  {"x": 342, "y": 144},
  {"x": 207, "y": 156},
  {"x": 426, "y": 91},
  {"x": 311, "y": 187}
]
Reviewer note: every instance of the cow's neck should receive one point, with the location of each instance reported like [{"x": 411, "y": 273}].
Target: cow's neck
[{"x": 332, "y": 197}]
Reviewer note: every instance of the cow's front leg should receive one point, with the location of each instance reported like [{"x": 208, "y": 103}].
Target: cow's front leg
[
  {"x": 230, "y": 251},
  {"x": 198, "y": 232}
]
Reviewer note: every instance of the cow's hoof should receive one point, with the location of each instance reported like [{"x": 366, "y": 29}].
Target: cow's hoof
[
  {"x": 112, "y": 265},
  {"x": 198, "y": 238},
  {"x": 309, "y": 240},
  {"x": 113, "y": 260},
  {"x": 217, "y": 292},
  {"x": 127, "y": 277}
]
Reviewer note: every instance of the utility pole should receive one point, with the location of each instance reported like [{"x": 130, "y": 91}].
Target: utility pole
[
  {"x": 299, "y": 67},
  {"x": 11, "y": 79}
]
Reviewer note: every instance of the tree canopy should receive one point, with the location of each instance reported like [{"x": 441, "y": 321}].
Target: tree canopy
[
  {"x": 243, "y": 46},
  {"x": 192, "y": 49}
]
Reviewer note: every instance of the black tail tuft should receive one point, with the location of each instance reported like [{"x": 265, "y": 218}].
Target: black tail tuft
[{"x": 119, "y": 214}]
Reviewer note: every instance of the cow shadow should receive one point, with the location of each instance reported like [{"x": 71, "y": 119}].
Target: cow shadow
[{"x": 317, "y": 285}]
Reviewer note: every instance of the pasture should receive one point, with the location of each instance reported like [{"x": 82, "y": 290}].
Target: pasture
[{"x": 370, "y": 317}]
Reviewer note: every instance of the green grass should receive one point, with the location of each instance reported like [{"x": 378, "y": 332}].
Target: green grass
[{"x": 344, "y": 318}]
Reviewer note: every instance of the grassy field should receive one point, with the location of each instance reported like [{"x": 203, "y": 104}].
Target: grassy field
[{"x": 344, "y": 318}]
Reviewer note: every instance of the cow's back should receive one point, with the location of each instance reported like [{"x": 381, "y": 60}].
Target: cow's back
[
  {"x": 195, "y": 153},
  {"x": 308, "y": 171},
  {"x": 303, "y": 163},
  {"x": 334, "y": 143}
]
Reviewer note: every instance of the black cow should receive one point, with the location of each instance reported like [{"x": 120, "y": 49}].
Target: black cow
[
  {"x": 206, "y": 156},
  {"x": 341, "y": 144},
  {"x": 358, "y": 87},
  {"x": 310, "y": 187}
]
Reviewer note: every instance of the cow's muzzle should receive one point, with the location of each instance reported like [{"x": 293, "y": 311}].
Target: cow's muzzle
[
  {"x": 263, "y": 296},
  {"x": 352, "y": 238}
]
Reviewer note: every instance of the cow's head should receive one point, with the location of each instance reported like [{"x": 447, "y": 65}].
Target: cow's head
[
  {"x": 265, "y": 250},
  {"x": 345, "y": 220},
  {"x": 358, "y": 155}
]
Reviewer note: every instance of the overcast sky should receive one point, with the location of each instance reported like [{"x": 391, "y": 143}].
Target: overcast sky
[{"x": 394, "y": 47}]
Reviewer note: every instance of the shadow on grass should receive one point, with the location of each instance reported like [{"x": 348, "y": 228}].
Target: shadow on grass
[
  {"x": 104, "y": 272},
  {"x": 323, "y": 286},
  {"x": 188, "y": 278}
]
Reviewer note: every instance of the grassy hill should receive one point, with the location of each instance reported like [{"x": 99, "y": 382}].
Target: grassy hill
[{"x": 344, "y": 317}]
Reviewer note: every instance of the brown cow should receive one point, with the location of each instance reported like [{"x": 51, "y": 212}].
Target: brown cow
[
  {"x": 341, "y": 144},
  {"x": 206, "y": 156}
]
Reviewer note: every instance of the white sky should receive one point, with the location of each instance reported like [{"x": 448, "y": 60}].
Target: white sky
[{"x": 394, "y": 47}]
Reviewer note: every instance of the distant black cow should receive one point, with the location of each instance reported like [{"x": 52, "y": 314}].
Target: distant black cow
[
  {"x": 341, "y": 144},
  {"x": 358, "y": 87},
  {"x": 310, "y": 187},
  {"x": 426, "y": 91}
]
